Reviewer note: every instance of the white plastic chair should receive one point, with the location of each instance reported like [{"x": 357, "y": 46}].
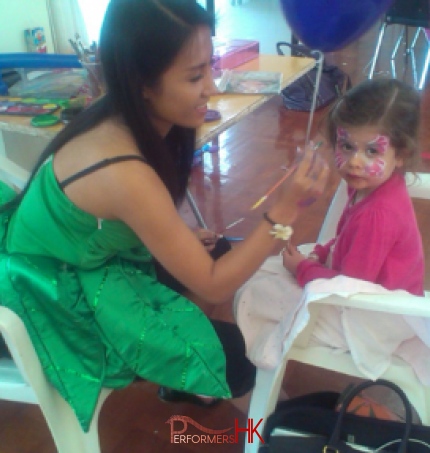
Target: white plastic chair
[
  {"x": 22, "y": 378},
  {"x": 268, "y": 382}
]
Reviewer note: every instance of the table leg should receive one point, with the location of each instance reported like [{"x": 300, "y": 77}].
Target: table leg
[{"x": 196, "y": 211}]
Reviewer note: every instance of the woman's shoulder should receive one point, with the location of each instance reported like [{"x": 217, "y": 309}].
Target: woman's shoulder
[
  {"x": 93, "y": 166},
  {"x": 108, "y": 142}
]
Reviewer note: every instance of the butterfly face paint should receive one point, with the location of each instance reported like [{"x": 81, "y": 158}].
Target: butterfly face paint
[
  {"x": 375, "y": 169},
  {"x": 368, "y": 158}
]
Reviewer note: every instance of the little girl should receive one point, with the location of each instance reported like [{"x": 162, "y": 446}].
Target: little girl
[{"x": 373, "y": 130}]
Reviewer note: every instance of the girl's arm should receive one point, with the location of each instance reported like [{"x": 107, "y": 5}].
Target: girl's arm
[
  {"x": 309, "y": 269},
  {"x": 360, "y": 252}
]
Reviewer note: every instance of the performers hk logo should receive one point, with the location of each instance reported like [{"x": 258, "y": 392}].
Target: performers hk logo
[{"x": 210, "y": 436}]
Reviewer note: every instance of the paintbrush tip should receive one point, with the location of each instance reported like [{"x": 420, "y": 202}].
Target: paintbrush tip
[{"x": 256, "y": 205}]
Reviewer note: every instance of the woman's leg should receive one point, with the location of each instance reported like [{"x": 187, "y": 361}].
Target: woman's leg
[{"x": 240, "y": 372}]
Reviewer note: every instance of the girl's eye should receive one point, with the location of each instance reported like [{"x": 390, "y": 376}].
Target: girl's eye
[
  {"x": 345, "y": 146},
  {"x": 372, "y": 151}
]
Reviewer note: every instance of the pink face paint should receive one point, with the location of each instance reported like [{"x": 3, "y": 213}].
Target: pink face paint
[
  {"x": 381, "y": 143},
  {"x": 339, "y": 158},
  {"x": 346, "y": 149},
  {"x": 375, "y": 168}
]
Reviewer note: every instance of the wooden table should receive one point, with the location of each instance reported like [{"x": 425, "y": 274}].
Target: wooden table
[{"x": 232, "y": 107}]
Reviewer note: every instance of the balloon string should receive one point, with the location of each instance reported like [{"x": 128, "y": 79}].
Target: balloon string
[{"x": 319, "y": 65}]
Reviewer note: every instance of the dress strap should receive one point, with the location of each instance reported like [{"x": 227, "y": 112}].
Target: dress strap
[{"x": 101, "y": 164}]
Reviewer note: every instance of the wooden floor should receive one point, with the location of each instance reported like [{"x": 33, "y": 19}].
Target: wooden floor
[{"x": 251, "y": 154}]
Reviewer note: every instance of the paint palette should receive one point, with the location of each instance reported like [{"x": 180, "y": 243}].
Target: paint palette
[{"x": 22, "y": 107}]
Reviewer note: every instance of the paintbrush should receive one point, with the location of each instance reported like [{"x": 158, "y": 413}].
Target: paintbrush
[
  {"x": 273, "y": 188},
  {"x": 76, "y": 49},
  {"x": 277, "y": 184}
]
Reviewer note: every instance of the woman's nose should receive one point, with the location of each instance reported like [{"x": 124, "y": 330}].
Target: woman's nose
[{"x": 210, "y": 87}]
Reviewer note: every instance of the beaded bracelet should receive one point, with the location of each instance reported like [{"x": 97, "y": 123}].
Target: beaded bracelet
[{"x": 279, "y": 231}]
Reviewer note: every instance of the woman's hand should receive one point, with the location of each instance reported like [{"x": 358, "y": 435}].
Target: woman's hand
[
  {"x": 207, "y": 238},
  {"x": 291, "y": 258},
  {"x": 305, "y": 185}
]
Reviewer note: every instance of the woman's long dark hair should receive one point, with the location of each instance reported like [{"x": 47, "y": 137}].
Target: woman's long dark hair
[{"x": 138, "y": 42}]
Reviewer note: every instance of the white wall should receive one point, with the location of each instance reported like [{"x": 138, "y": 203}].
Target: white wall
[{"x": 15, "y": 17}]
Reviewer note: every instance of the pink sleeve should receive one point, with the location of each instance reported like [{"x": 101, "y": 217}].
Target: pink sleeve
[
  {"x": 322, "y": 251},
  {"x": 360, "y": 251},
  {"x": 309, "y": 270},
  {"x": 366, "y": 246}
]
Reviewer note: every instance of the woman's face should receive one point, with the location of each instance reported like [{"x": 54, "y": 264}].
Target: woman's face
[{"x": 181, "y": 96}]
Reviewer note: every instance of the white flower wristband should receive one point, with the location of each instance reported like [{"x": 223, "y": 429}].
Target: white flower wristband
[{"x": 278, "y": 230}]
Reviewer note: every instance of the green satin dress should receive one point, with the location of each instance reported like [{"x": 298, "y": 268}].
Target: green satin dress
[{"x": 87, "y": 293}]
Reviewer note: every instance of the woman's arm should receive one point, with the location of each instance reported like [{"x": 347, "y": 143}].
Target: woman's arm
[{"x": 133, "y": 192}]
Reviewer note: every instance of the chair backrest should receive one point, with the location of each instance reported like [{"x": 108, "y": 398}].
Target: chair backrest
[{"x": 414, "y": 13}]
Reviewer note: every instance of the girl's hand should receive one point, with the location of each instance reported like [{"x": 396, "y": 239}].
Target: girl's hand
[
  {"x": 207, "y": 238},
  {"x": 291, "y": 258}
]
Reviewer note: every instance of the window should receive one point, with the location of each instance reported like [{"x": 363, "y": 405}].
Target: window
[{"x": 93, "y": 13}]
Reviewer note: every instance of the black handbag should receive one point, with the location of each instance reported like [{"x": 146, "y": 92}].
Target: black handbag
[
  {"x": 298, "y": 95},
  {"x": 312, "y": 424}
]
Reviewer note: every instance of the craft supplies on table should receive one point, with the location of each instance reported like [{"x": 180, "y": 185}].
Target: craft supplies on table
[
  {"x": 59, "y": 83},
  {"x": 230, "y": 53},
  {"x": 24, "y": 107},
  {"x": 250, "y": 82}
]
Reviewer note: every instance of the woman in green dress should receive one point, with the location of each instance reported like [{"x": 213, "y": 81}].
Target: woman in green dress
[{"x": 83, "y": 244}]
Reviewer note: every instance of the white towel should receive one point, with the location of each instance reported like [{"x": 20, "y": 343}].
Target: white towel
[{"x": 271, "y": 310}]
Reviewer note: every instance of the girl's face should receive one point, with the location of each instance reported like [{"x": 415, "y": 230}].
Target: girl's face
[
  {"x": 181, "y": 96},
  {"x": 365, "y": 158}
]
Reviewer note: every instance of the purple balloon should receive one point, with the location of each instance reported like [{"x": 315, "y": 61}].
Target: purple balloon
[{"x": 329, "y": 25}]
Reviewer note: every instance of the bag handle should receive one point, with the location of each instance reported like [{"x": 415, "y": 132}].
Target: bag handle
[
  {"x": 335, "y": 437},
  {"x": 296, "y": 49}
]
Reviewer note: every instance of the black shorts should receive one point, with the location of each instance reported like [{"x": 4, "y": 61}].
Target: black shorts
[{"x": 240, "y": 372}]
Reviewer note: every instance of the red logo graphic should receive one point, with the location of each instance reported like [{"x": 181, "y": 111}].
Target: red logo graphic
[{"x": 210, "y": 436}]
